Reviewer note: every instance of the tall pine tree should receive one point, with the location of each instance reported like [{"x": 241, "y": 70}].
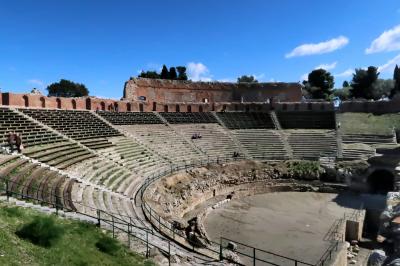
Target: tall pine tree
[
  {"x": 396, "y": 78},
  {"x": 172, "y": 73},
  {"x": 164, "y": 72}
]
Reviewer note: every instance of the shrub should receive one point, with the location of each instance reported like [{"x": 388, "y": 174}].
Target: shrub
[
  {"x": 304, "y": 169},
  {"x": 108, "y": 245},
  {"x": 42, "y": 231}
]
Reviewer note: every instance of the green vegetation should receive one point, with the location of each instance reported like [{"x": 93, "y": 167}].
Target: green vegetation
[
  {"x": 67, "y": 88},
  {"x": 304, "y": 169},
  {"x": 174, "y": 73},
  {"x": 108, "y": 245},
  {"x": 367, "y": 123},
  {"x": 319, "y": 84},
  {"x": 42, "y": 231},
  {"x": 77, "y": 245},
  {"x": 247, "y": 79}
]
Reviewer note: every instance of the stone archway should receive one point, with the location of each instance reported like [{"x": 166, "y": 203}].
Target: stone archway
[
  {"x": 26, "y": 101},
  {"x": 380, "y": 181}
]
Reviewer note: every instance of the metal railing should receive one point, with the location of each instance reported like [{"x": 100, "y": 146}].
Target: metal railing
[{"x": 117, "y": 225}]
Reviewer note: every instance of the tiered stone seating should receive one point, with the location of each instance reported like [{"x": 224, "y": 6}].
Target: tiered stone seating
[
  {"x": 246, "y": 120},
  {"x": 189, "y": 118},
  {"x": 164, "y": 141},
  {"x": 62, "y": 154},
  {"x": 130, "y": 118},
  {"x": 307, "y": 120},
  {"x": 134, "y": 156},
  {"x": 88, "y": 199},
  {"x": 32, "y": 181},
  {"x": 312, "y": 144},
  {"x": 261, "y": 143},
  {"x": 369, "y": 139},
  {"x": 79, "y": 125},
  {"x": 357, "y": 151},
  {"x": 214, "y": 141},
  {"x": 31, "y": 132}
]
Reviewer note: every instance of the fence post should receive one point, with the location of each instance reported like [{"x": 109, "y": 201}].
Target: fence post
[
  {"x": 169, "y": 253},
  {"x": 7, "y": 193},
  {"x": 254, "y": 256},
  {"x": 147, "y": 244},
  {"x": 56, "y": 201},
  {"x": 129, "y": 235},
  {"x": 98, "y": 218},
  {"x": 220, "y": 249},
  {"x": 112, "y": 218}
]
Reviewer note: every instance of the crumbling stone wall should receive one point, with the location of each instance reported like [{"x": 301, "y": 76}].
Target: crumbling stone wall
[{"x": 171, "y": 91}]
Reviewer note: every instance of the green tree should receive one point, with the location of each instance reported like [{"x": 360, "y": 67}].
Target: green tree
[
  {"x": 164, "y": 72},
  {"x": 345, "y": 84},
  {"x": 247, "y": 79},
  {"x": 172, "y": 73},
  {"x": 182, "y": 73},
  {"x": 396, "y": 78},
  {"x": 362, "y": 83},
  {"x": 67, "y": 88},
  {"x": 149, "y": 75},
  {"x": 319, "y": 85},
  {"x": 343, "y": 93}
]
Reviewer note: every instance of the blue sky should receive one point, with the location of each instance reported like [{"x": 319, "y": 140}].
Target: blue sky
[{"x": 103, "y": 43}]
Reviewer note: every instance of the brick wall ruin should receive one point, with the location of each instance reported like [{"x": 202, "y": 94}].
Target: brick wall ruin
[{"x": 172, "y": 91}]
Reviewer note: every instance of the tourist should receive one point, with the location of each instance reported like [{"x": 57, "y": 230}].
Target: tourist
[
  {"x": 18, "y": 142},
  {"x": 11, "y": 140}
]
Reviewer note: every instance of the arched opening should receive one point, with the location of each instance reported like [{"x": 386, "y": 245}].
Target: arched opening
[
  {"x": 26, "y": 101},
  {"x": 166, "y": 108},
  {"x": 154, "y": 106},
  {"x": 189, "y": 108},
  {"x": 177, "y": 108},
  {"x": 58, "y": 101},
  {"x": 116, "y": 107},
  {"x": 381, "y": 181},
  {"x": 213, "y": 107},
  {"x": 43, "y": 102},
  {"x": 224, "y": 108},
  {"x": 128, "y": 107},
  {"x": 110, "y": 107},
  {"x": 141, "y": 107},
  {"x": 200, "y": 109},
  {"x": 73, "y": 104},
  {"x": 103, "y": 106},
  {"x": 88, "y": 104}
]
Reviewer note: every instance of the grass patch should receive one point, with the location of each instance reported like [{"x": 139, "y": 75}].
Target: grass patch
[
  {"x": 76, "y": 246},
  {"x": 368, "y": 123}
]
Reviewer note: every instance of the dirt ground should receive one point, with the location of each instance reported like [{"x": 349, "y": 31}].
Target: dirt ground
[{"x": 291, "y": 224}]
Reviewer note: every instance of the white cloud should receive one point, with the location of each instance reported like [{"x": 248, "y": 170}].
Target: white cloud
[
  {"x": 227, "y": 80},
  {"x": 321, "y": 66},
  {"x": 388, "y": 41},
  {"x": 327, "y": 66},
  {"x": 304, "y": 77},
  {"x": 259, "y": 77},
  {"x": 198, "y": 72},
  {"x": 319, "y": 48},
  {"x": 390, "y": 65},
  {"x": 344, "y": 74},
  {"x": 36, "y": 82}
]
